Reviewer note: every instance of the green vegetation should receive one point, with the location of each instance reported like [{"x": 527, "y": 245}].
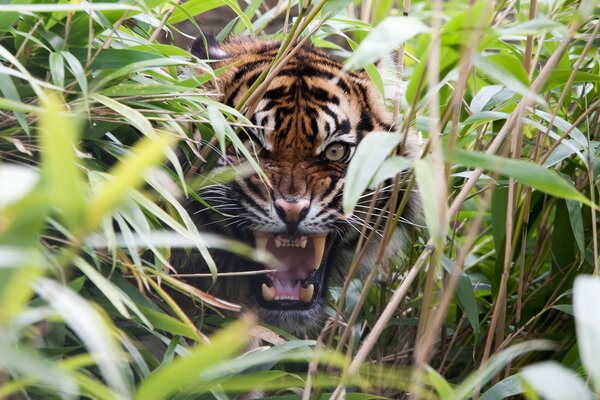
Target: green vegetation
[{"x": 92, "y": 107}]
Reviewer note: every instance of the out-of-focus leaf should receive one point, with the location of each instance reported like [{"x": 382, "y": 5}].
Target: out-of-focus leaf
[
  {"x": 390, "y": 168},
  {"x": 127, "y": 174},
  {"x": 184, "y": 372},
  {"x": 15, "y": 182},
  {"x": 495, "y": 364},
  {"x": 482, "y": 97},
  {"x": 440, "y": 384},
  {"x": 387, "y": 36},
  {"x": 370, "y": 154},
  {"x": 115, "y": 295},
  {"x": 50, "y": 8},
  {"x": 532, "y": 27},
  {"x": 19, "y": 266},
  {"x": 555, "y": 382},
  {"x": 586, "y": 297},
  {"x": 90, "y": 327},
  {"x": 27, "y": 363},
  {"x": 434, "y": 200},
  {"x": 192, "y": 8},
  {"x": 18, "y": 106},
  {"x": 58, "y": 139}
]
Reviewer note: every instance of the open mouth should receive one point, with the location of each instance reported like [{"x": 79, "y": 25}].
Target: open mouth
[{"x": 300, "y": 265}]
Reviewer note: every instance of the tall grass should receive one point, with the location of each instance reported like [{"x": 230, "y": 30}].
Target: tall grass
[{"x": 506, "y": 96}]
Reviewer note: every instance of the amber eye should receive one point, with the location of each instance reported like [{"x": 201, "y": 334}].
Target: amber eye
[{"x": 336, "y": 151}]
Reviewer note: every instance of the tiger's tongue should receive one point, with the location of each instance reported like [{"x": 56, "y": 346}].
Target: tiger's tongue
[
  {"x": 295, "y": 259},
  {"x": 292, "y": 263}
]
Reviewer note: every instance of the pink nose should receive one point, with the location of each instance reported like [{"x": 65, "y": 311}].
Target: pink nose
[{"x": 293, "y": 210}]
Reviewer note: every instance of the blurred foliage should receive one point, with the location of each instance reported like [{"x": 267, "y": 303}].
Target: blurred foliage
[{"x": 92, "y": 107}]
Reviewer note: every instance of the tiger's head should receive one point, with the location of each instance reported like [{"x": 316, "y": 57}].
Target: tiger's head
[{"x": 307, "y": 127}]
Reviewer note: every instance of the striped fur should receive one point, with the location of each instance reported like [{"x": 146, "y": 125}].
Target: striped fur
[{"x": 311, "y": 104}]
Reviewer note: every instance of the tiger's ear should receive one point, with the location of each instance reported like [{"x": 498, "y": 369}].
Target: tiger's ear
[{"x": 206, "y": 47}]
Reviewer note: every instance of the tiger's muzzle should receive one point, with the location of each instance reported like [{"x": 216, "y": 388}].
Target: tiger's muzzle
[{"x": 299, "y": 270}]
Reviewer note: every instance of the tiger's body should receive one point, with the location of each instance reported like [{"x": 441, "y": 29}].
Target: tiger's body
[{"x": 309, "y": 123}]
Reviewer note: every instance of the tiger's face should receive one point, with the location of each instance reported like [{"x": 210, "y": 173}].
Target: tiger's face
[{"x": 307, "y": 127}]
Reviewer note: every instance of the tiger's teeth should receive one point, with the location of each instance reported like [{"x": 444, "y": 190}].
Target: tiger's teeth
[
  {"x": 319, "y": 249},
  {"x": 278, "y": 243},
  {"x": 303, "y": 242},
  {"x": 261, "y": 242},
  {"x": 268, "y": 293},
  {"x": 306, "y": 293}
]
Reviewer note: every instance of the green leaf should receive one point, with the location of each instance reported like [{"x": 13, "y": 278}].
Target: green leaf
[
  {"x": 127, "y": 174},
  {"x": 504, "y": 70},
  {"x": 30, "y": 364},
  {"x": 533, "y": 27},
  {"x": 494, "y": 365},
  {"x": 370, "y": 154},
  {"x": 90, "y": 327},
  {"x": 132, "y": 116},
  {"x": 586, "y": 297},
  {"x": 527, "y": 173},
  {"x": 576, "y": 219},
  {"x": 118, "y": 299},
  {"x": 58, "y": 139},
  {"x": 433, "y": 200},
  {"x": 391, "y": 167},
  {"x": 9, "y": 90},
  {"x": 440, "y": 384},
  {"x": 57, "y": 69},
  {"x": 555, "y": 382},
  {"x": 50, "y": 8},
  {"x": 193, "y": 8},
  {"x": 77, "y": 70},
  {"x": 510, "y": 386},
  {"x": 184, "y": 372},
  {"x": 385, "y": 38}
]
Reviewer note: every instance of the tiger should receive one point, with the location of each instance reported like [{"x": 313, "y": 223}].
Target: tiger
[{"x": 305, "y": 130}]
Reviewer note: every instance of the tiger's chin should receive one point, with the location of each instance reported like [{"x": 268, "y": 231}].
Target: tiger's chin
[{"x": 292, "y": 296}]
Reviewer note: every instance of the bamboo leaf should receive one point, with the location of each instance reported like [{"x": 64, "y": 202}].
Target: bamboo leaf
[
  {"x": 387, "y": 36},
  {"x": 90, "y": 327},
  {"x": 433, "y": 199},
  {"x": 586, "y": 297},
  {"x": 186, "y": 371},
  {"x": 58, "y": 140},
  {"x": 370, "y": 154},
  {"x": 555, "y": 382},
  {"x": 126, "y": 175},
  {"x": 530, "y": 174}
]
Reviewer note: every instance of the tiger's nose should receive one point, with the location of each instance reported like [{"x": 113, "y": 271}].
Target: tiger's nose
[{"x": 292, "y": 211}]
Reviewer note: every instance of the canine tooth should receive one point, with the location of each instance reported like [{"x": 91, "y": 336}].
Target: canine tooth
[
  {"x": 306, "y": 293},
  {"x": 303, "y": 243},
  {"x": 268, "y": 293},
  {"x": 277, "y": 243},
  {"x": 261, "y": 242},
  {"x": 319, "y": 249}
]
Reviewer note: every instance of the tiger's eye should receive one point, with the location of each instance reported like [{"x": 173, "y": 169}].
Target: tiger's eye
[{"x": 336, "y": 151}]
